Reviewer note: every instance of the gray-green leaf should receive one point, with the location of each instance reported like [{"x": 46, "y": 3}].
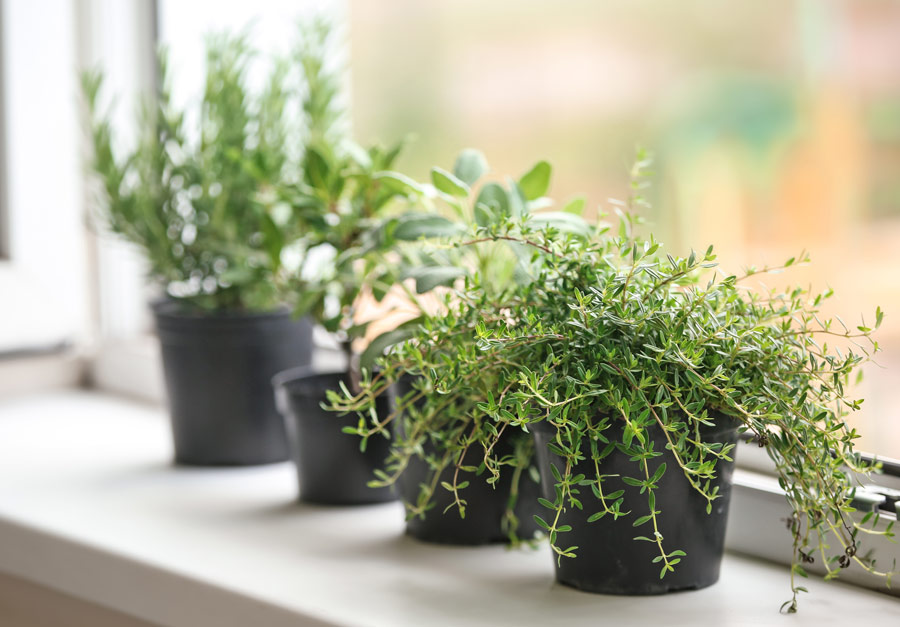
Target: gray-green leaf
[
  {"x": 415, "y": 225},
  {"x": 470, "y": 166},
  {"x": 494, "y": 196},
  {"x": 563, "y": 222},
  {"x": 399, "y": 183},
  {"x": 377, "y": 346},
  {"x": 430, "y": 277}
]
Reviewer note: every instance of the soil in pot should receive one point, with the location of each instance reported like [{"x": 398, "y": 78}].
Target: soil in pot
[
  {"x": 217, "y": 370},
  {"x": 609, "y": 560},
  {"x": 486, "y": 520},
  {"x": 331, "y": 470}
]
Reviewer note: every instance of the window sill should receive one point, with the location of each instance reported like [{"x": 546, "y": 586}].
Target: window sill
[
  {"x": 30, "y": 372},
  {"x": 91, "y": 506}
]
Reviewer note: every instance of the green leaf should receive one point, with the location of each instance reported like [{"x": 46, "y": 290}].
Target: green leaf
[
  {"x": 398, "y": 183},
  {"x": 642, "y": 520},
  {"x": 316, "y": 168},
  {"x": 518, "y": 204},
  {"x": 659, "y": 473},
  {"x": 358, "y": 154},
  {"x": 563, "y": 222},
  {"x": 449, "y": 184},
  {"x": 377, "y": 346},
  {"x": 627, "y": 435},
  {"x": 273, "y": 239},
  {"x": 555, "y": 472},
  {"x": 493, "y": 195},
  {"x": 470, "y": 166},
  {"x": 575, "y": 206},
  {"x": 240, "y": 275},
  {"x": 484, "y": 216},
  {"x": 413, "y": 226},
  {"x": 536, "y": 181},
  {"x": 430, "y": 277}
]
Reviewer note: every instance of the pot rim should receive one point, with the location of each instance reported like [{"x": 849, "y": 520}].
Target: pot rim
[
  {"x": 723, "y": 424},
  {"x": 285, "y": 378},
  {"x": 169, "y": 308}
]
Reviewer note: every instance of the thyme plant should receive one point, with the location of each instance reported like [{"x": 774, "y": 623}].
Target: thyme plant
[
  {"x": 613, "y": 343},
  {"x": 192, "y": 203}
]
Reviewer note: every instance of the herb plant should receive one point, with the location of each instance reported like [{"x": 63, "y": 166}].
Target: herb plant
[
  {"x": 441, "y": 420},
  {"x": 351, "y": 207},
  {"x": 613, "y": 342},
  {"x": 192, "y": 204}
]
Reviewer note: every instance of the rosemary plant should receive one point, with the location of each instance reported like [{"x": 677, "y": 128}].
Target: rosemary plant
[
  {"x": 192, "y": 204},
  {"x": 613, "y": 343}
]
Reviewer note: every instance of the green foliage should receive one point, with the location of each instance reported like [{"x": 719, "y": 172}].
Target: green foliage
[
  {"x": 461, "y": 201},
  {"x": 347, "y": 202},
  {"x": 613, "y": 342},
  {"x": 443, "y": 419},
  {"x": 194, "y": 204}
]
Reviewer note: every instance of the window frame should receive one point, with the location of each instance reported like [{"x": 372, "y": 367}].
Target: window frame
[{"x": 41, "y": 222}]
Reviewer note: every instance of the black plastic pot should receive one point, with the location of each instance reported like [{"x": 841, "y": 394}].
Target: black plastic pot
[
  {"x": 331, "y": 470},
  {"x": 609, "y": 560},
  {"x": 486, "y": 505},
  {"x": 217, "y": 370}
]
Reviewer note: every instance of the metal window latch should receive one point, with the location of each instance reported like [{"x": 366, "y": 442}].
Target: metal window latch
[
  {"x": 891, "y": 498},
  {"x": 880, "y": 498},
  {"x": 866, "y": 499},
  {"x": 875, "y": 498}
]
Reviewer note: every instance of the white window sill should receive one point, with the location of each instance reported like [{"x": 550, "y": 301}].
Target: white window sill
[{"x": 90, "y": 505}]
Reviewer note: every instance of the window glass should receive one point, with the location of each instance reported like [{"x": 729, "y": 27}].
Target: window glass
[{"x": 776, "y": 126}]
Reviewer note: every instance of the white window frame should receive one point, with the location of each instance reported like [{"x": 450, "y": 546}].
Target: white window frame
[
  {"x": 44, "y": 288},
  {"x": 119, "y": 38}
]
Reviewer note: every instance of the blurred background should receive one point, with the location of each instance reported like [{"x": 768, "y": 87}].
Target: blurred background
[{"x": 775, "y": 125}]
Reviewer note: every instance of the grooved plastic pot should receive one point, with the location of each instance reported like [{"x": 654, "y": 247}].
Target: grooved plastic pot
[
  {"x": 486, "y": 505},
  {"x": 609, "y": 560},
  {"x": 331, "y": 470},
  {"x": 217, "y": 369}
]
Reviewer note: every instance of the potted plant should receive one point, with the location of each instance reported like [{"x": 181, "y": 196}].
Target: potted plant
[
  {"x": 636, "y": 371},
  {"x": 193, "y": 204},
  {"x": 354, "y": 214},
  {"x": 463, "y": 479}
]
